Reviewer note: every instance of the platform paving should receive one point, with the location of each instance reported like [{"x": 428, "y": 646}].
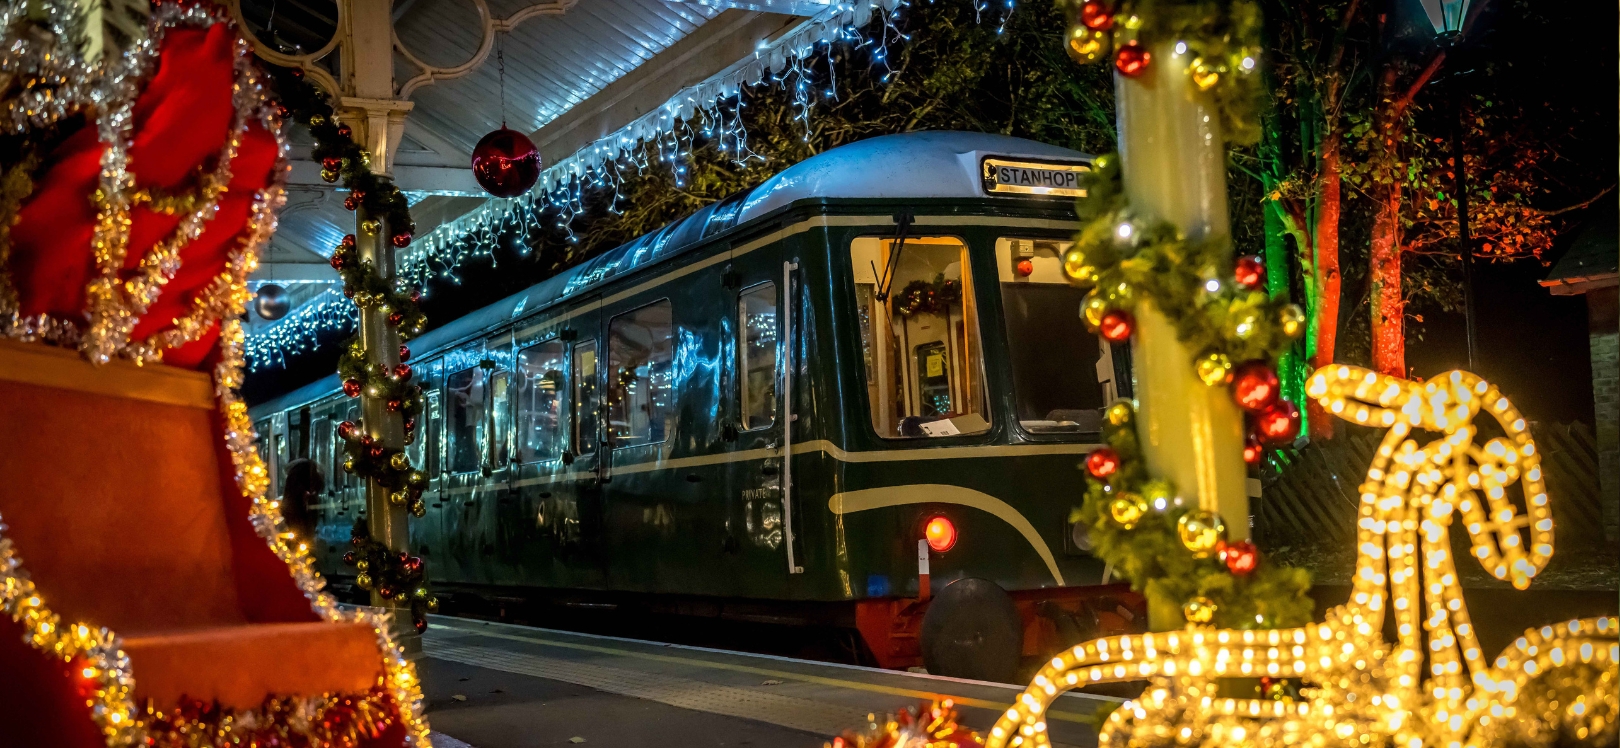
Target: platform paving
[{"x": 492, "y": 685}]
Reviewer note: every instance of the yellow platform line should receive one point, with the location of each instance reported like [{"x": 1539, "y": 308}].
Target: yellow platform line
[{"x": 997, "y": 706}]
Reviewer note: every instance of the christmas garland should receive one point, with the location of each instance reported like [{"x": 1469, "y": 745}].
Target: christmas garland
[
  {"x": 1178, "y": 554},
  {"x": 923, "y": 297},
  {"x": 397, "y": 301},
  {"x": 1222, "y": 38}
]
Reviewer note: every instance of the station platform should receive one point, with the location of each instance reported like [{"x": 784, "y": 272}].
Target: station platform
[{"x": 494, "y": 685}]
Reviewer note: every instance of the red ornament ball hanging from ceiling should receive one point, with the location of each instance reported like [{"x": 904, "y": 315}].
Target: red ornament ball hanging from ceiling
[{"x": 506, "y": 163}]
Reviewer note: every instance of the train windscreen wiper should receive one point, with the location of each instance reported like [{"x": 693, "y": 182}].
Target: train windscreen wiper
[{"x": 904, "y": 220}]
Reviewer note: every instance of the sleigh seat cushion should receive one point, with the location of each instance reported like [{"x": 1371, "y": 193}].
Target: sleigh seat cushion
[{"x": 238, "y": 666}]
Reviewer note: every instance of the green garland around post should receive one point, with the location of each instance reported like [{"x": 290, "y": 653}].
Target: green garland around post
[{"x": 395, "y": 575}]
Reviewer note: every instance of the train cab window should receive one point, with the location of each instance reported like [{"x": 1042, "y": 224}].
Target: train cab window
[
  {"x": 585, "y": 437},
  {"x": 640, "y": 374},
  {"x": 465, "y": 391},
  {"x": 542, "y": 386},
  {"x": 1055, "y": 386},
  {"x": 756, "y": 355},
  {"x": 923, "y": 357}
]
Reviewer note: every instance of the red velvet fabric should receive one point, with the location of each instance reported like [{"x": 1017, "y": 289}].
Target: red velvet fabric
[{"x": 182, "y": 118}]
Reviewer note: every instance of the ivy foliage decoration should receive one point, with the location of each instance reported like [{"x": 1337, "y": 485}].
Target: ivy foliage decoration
[
  {"x": 1136, "y": 524},
  {"x": 922, "y": 297},
  {"x": 394, "y": 575},
  {"x": 1221, "y": 37}
]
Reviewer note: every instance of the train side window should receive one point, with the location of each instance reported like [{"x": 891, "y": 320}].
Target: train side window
[
  {"x": 542, "y": 385},
  {"x": 1056, "y": 387},
  {"x": 500, "y": 417},
  {"x": 424, "y": 446},
  {"x": 756, "y": 355},
  {"x": 323, "y": 451},
  {"x": 923, "y": 358},
  {"x": 585, "y": 397},
  {"x": 640, "y": 373},
  {"x": 465, "y": 390},
  {"x": 342, "y": 478}
]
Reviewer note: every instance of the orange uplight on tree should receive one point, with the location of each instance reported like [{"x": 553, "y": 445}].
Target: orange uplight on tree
[{"x": 941, "y": 534}]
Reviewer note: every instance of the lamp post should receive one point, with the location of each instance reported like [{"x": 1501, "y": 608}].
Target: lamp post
[{"x": 1449, "y": 18}]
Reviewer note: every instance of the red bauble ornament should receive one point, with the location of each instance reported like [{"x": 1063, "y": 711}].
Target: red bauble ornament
[
  {"x": 410, "y": 424},
  {"x": 1097, "y": 16},
  {"x": 506, "y": 163},
  {"x": 296, "y": 72},
  {"x": 353, "y": 200},
  {"x": 1116, "y": 326},
  {"x": 1255, "y": 386},
  {"x": 339, "y": 259},
  {"x": 1279, "y": 423},
  {"x": 1131, "y": 59},
  {"x": 404, "y": 352},
  {"x": 1249, "y": 272},
  {"x": 1241, "y": 557},
  {"x": 345, "y": 131},
  {"x": 331, "y": 163},
  {"x": 346, "y": 430},
  {"x": 349, "y": 558},
  {"x": 402, "y": 239},
  {"x": 1253, "y": 450},
  {"x": 403, "y": 371},
  {"x": 348, "y": 291},
  {"x": 376, "y": 452},
  {"x": 351, "y": 387},
  {"x": 420, "y": 624},
  {"x": 1026, "y": 267},
  {"x": 1102, "y": 462},
  {"x": 413, "y": 566},
  {"x": 395, "y": 404},
  {"x": 416, "y": 294},
  {"x": 348, "y": 240},
  {"x": 386, "y": 591},
  {"x": 395, "y": 318}
]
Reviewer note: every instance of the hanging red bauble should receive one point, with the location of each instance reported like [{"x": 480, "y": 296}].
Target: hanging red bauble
[
  {"x": 404, "y": 352},
  {"x": 402, "y": 239},
  {"x": 413, "y": 566},
  {"x": 1279, "y": 423},
  {"x": 1026, "y": 268},
  {"x": 1097, "y": 16},
  {"x": 386, "y": 591},
  {"x": 1116, "y": 326},
  {"x": 346, "y": 430},
  {"x": 348, "y": 240},
  {"x": 353, "y": 200},
  {"x": 351, "y": 387},
  {"x": 506, "y": 163},
  {"x": 396, "y": 318},
  {"x": 1249, "y": 272},
  {"x": 420, "y": 624},
  {"x": 1253, "y": 450},
  {"x": 339, "y": 259},
  {"x": 394, "y": 405},
  {"x": 1255, "y": 386},
  {"x": 331, "y": 163},
  {"x": 403, "y": 371},
  {"x": 1102, "y": 462},
  {"x": 1241, "y": 557},
  {"x": 410, "y": 424},
  {"x": 1131, "y": 59},
  {"x": 349, "y": 558}
]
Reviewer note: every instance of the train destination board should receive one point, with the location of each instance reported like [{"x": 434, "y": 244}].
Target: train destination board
[{"x": 1033, "y": 178}]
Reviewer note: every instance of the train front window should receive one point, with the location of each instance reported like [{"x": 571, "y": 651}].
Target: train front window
[
  {"x": 542, "y": 385},
  {"x": 920, "y": 345},
  {"x": 640, "y": 357},
  {"x": 1054, "y": 357},
  {"x": 465, "y": 390}
]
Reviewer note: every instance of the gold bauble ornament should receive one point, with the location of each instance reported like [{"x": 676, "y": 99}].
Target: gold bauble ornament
[
  {"x": 371, "y": 226},
  {"x": 401, "y": 597},
  {"x": 1199, "y": 610},
  {"x": 433, "y": 605},
  {"x": 1293, "y": 320},
  {"x": 1094, "y": 307},
  {"x": 418, "y": 508},
  {"x": 1244, "y": 326},
  {"x": 348, "y": 464},
  {"x": 1120, "y": 413},
  {"x": 1086, "y": 45},
  {"x": 362, "y": 564},
  {"x": 1127, "y": 510},
  {"x": 1214, "y": 368},
  {"x": 1201, "y": 531},
  {"x": 421, "y": 593},
  {"x": 1075, "y": 266},
  {"x": 1204, "y": 75},
  {"x": 317, "y": 120},
  {"x": 400, "y": 461},
  {"x": 364, "y": 580},
  {"x": 399, "y": 498}
]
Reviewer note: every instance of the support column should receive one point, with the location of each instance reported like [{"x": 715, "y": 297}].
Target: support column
[{"x": 1173, "y": 162}]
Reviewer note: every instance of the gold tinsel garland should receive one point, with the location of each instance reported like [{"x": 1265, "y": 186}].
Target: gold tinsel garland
[{"x": 1433, "y": 687}]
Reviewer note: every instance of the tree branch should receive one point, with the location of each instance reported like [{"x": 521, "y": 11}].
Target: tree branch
[{"x": 1579, "y": 205}]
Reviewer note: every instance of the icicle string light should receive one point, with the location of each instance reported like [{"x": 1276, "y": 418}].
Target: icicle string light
[{"x": 1433, "y": 687}]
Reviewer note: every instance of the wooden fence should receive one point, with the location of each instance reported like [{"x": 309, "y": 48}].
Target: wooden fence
[{"x": 1310, "y": 495}]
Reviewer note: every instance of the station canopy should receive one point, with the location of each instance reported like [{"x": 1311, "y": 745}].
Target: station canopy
[{"x": 585, "y": 79}]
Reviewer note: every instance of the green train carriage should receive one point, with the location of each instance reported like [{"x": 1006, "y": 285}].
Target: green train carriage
[{"x": 786, "y": 406}]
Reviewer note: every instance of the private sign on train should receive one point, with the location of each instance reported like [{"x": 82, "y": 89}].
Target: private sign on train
[{"x": 769, "y": 410}]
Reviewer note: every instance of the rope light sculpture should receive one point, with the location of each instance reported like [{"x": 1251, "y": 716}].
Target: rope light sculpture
[{"x": 1433, "y": 686}]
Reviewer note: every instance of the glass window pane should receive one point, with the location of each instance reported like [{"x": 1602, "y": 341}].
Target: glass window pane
[
  {"x": 500, "y": 417},
  {"x": 1055, "y": 386},
  {"x": 465, "y": 390},
  {"x": 640, "y": 353},
  {"x": 585, "y": 436},
  {"x": 542, "y": 384},
  {"x": 342, "y": 478},
  {"x": 433, "y": 426},
  {"x": 756, "y": 354},
  {"x": 322, "y": 451},
  {"x": 921, "y": 348}
]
